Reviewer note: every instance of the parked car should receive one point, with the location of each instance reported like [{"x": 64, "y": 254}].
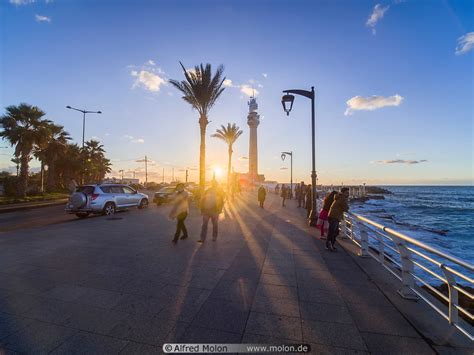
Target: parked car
[
  {"x": 104, "y": 199},
  {"x": 164, "y": 195}
]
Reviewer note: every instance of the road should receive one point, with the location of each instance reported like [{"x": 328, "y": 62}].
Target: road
[{"x": 38, "y": 217}]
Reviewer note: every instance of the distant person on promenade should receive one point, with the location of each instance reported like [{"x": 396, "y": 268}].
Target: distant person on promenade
[
  {"x": 212, "y": 203},
  {"x": 323, "y": 215},
  {"x": 300, "y": 197},
  {"x": 277, "y": 189},
  {"x": 336, "y": 214},
  {"x": 72, "y": 185},
  {"x": 283, "y": 195},
  {"x": 262, "y": 194},
  {"x": 309, "y": 202},
  {"x": 180, "y": 211}
]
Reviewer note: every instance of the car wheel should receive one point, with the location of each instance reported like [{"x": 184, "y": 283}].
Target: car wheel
[
  {"x": 109, "y": 209},
  {"x": 143, "y": 203},
  {"x": 82, "y": 214}
]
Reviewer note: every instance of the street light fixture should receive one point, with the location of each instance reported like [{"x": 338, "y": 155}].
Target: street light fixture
[
  {"x": 283, "y": 156},
  {"x": 83, "y": 120},
  {"x": 287, "y": 103}
]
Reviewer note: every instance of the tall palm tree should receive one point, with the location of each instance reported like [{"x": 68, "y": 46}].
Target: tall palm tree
[
  {"x": 56, "y": 145},
  {"x": 201, "y": 90},
  {"x": 23, "y": 128},
  {"x": 229, "y": 135},
  {"x": 96, "y": 164}
]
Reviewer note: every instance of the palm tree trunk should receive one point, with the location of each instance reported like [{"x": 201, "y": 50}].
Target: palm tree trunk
[
  {"x": 202, "y": 153},
  {"x": 229, "y": 167},
  {"x": 23, "y": 180}
]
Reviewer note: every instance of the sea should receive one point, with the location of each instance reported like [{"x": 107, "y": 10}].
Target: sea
[{"x": 440, "y": 216}]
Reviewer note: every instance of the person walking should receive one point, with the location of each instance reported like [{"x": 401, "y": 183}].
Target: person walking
[
  {"x": 262, "y": 194},
  {"x": 283, "y": 194},
  {"x": 323, "y": 215},
  {"x": 180, "y": 211},
  {"x": 302, "y": 189},
  {"x": 336, "y": 214},
  {"x": 212, "y": 203}
]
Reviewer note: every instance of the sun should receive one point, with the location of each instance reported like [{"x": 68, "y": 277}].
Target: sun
[{"x": 218, "y": 172}]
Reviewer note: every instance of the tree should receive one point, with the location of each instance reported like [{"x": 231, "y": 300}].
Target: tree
[
  {"x": 23, "y": 128},
  {"x": 16, "y": 161},
  {"x": 69, "y": 164},
  {"x": 96, "y": 164},
  {"x": 201, "y": 90},
  {"x": 229, "y": 135},
  {"x": 56, "y": 145}
]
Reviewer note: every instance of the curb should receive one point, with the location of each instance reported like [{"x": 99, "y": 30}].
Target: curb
[{"x": 27, "y": 206}]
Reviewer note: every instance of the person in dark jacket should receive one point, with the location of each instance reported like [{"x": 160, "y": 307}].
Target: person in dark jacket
[
  {"x": 301, "y": 194},
  {"x": 180, "y": 211},
  {"x": 283, "y": 194},
  {"x": 212, "y": 203},
  {"x": 336, "y": 214},
  {"x": 262, "y": 194}
]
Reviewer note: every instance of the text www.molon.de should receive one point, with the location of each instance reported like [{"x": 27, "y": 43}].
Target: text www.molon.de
[{"x": 235, "y": 348}]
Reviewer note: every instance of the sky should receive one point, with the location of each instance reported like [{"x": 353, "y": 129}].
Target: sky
[{"x": 393, "y": 81}]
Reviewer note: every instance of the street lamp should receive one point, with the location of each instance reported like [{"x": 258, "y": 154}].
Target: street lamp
[
  {"x": 287, "y": 103},
  {"x": 283, "y": 156},
  {"x": 83, "y": 120}
]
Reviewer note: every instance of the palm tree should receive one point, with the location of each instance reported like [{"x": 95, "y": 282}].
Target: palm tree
[
  {"x": 96, "y": 164},
  {"x": 23, "y": 128},
  {"x": 201, "y": 89},
  {"x": 229, "y": 135},
  {"x": 56, "y": 145},
  {"x": 16, "y": 161}
]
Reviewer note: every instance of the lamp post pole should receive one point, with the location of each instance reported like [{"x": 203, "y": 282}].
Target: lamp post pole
[
  {"x": 283, "y": 155},
  {"x": 83, "y": 132},
  {"x": 288, "y": 99}
]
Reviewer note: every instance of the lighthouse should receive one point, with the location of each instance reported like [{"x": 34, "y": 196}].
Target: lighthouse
[{"x": 253, "y": 120}]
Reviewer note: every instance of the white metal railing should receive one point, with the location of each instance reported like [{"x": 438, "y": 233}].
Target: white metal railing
[{"x": 410, "y": 261}]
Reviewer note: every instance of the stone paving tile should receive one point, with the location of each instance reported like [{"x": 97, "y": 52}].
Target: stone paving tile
[
  {"x": 100, "y": 298},
  {"x": 333, "y": 334},
  {"x": 207, "y": 335},
  {"x": 274, "y": 291},
  {"x": 325, "y": 312},
  {"x": 88, "y": 343},
  {"x": 51, "y": 310},
  {"x": 143, "y": 329},
  {"x": 141, "y": 349},
  {"x": 10, "y": 324},
  {"x": 38, "y": 337},
  {"x": 224, "y": 315},
  {"x": 19, "y": 303},
  {"x": 239, "y": 291},
  {"x": 271, "y": 305},
  {"x": 355, "y": 294},
  {"x": 274, "y": 325},
  {"x": 140, "y": 304},
  {"x": 389, "y": 344},
  {"x": 316, "y": 295},
  {"x": 385, "y": 320},
  {"x": 25, "y": 285},
  {"x": 66, "y": 293},
  {"x": 278, "y": 280},
  {"x": 93, "y": 319}
]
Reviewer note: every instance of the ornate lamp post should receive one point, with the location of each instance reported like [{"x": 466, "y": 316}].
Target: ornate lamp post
[
  {"x": 287, "y": 103},
  {"x": 283, "y": 156}
]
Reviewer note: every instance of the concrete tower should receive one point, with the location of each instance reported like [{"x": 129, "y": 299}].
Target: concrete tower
[{"x": 253, "y": 120}]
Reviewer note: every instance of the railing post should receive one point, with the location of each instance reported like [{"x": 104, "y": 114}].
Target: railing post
[
  {"x": 344, "y": 227},
  {"x": 364, "y": 242},
  {"x": 408, "y": 281},
  {"x": 453, "y": 296}
]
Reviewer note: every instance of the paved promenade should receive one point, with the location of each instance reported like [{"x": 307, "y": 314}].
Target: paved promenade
[{"x": 118, "y": 285}]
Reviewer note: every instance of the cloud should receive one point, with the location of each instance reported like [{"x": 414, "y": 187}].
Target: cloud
[
  {"x": 243, "y": 158},
  {"x": 401, "y": 161},
  {"x": 21, "y": 2},
  {"x": 264, "y": 75},
  {"x": 228, "y": 83},
  {"x": 148, "y": 76},
  {"x": 377, "y": 14},
  {"x": 465, "y": 43},
  {"x": 371, "y": 103},
  {"x": 40, "y": 18},
  {"x": 132, "y": 139},
  {"x": 248, "y": 90}
]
